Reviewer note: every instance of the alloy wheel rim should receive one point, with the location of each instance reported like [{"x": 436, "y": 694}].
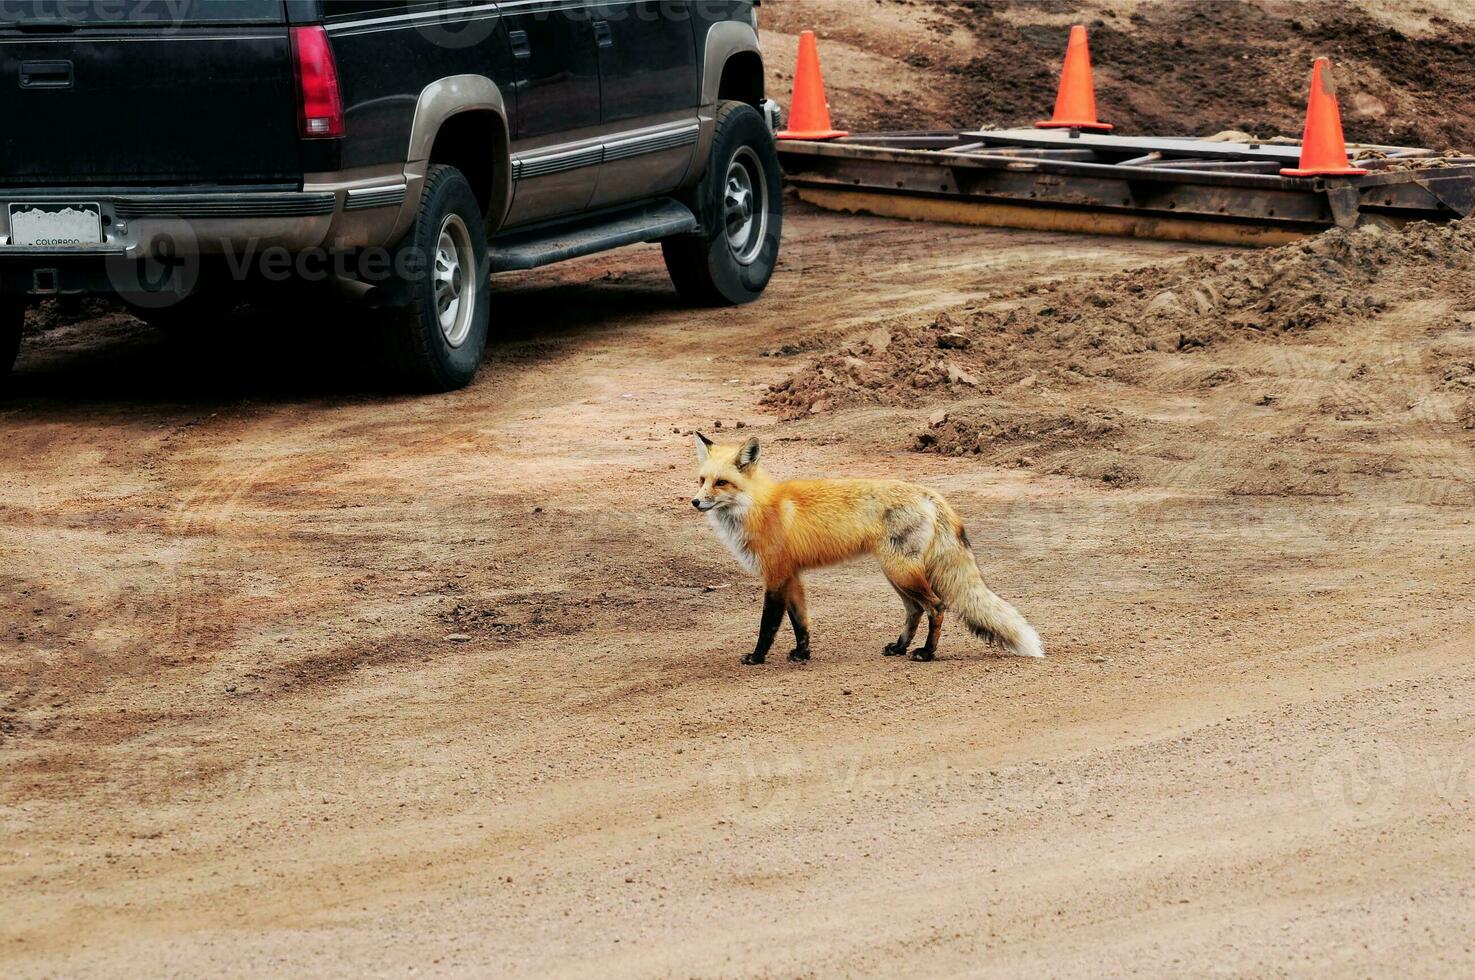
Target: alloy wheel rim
[
  {"x": 745, "y": 206},
  {"x": 453, "y": 277}
]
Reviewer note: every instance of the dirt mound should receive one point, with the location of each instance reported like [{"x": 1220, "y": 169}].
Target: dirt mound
[
  {"x": 1079, "y": 443},
  {"x": 1198, "y": 67},
  {"x": 1162, "y": 68},
  {"x": 893, "y": 364},
  {"x": 1073, "y": 330},
  {"x": 981, "y": 431}
]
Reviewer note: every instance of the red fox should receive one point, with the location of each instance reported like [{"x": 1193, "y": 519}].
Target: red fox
[{"x": 778, "y": 530}]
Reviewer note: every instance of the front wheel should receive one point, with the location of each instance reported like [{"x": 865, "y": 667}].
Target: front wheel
[
  {"x": 740, "y": 205},
  {"x": 437, "y": 343},
  {"x": 12, "y": 322}
]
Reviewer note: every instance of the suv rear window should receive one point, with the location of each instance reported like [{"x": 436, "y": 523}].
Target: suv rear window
[{"x": 140, "y": 13}]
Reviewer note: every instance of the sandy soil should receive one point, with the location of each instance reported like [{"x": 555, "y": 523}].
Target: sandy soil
[{"x": 237, "y": 738}]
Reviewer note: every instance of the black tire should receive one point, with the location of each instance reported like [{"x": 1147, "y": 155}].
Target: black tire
[
  {"x": 422, "y": 353},
  {"x": 12, "y": 322},
  {"x": 731, "y": 261}
]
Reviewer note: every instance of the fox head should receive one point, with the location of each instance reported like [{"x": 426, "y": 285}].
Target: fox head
[{"x": 725, "y": 474}]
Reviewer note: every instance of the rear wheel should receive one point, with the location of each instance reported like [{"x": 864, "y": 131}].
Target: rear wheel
[
  {"x": 12, "y": 321},
  {"x": 436, "y": 343},
  {"x": 740, "y": 204}
]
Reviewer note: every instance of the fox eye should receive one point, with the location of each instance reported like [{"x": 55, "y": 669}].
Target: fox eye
[{"x": 719, "y": 483}]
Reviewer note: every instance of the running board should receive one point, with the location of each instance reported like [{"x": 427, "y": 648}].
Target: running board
[{"x": 541, "y": 246}]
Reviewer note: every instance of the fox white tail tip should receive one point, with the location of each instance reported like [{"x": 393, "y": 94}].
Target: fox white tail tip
[{"x": 1028, "y": 645}]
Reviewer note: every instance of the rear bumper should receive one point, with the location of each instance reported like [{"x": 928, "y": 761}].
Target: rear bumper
[
  {"x": 279, "y": 233},
  {"x": 137, "y": 225}
]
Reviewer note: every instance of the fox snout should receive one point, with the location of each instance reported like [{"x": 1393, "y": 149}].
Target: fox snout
[{"x": 703, "y": 505}]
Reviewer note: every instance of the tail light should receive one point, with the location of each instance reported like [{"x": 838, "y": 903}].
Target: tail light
[{"x": 319, "y": 100}]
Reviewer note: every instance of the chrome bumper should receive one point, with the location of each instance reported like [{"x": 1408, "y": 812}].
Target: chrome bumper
[
  {"x": 137, "y": 225},
  {"x": 221, "y": 223}
]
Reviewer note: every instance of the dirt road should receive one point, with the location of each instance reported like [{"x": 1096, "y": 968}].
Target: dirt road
[{"x": 236, "y": 737}]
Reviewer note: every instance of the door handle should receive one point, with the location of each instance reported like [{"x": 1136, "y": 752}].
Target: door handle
[
  {"x": 603, "y": 34},
  {"x": 46, "y": 74},
  {"x": 521, "y": 48}
]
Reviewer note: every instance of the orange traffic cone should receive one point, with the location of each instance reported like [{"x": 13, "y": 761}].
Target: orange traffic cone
[
  {"x": 809, "y": 115},
  {"x": 1323, "y": 151},
  {"x": 1075, "y": 103}
]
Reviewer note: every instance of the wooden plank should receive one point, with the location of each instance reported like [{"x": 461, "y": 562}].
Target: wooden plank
[
  {"x": 1189, "y": 146},
  {"x": 997, "y": 215}
]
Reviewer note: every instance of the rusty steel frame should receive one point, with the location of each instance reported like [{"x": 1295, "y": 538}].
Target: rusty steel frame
[{"x": 1164, "y": 187}]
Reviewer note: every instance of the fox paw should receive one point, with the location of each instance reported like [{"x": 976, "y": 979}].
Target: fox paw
[
  {"x": 799, "y": 655},
  {"x": 894, "y": 650},
  {"x": 754, "y": 658},
  {"x": 923, "y": 654}
]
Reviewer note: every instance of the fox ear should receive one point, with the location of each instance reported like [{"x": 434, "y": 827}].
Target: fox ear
[
  {"x": 703, "y": 444},
  {"x": 748, "y": 455}
]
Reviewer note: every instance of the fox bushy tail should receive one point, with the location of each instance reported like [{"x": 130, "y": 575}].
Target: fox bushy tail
[{"x": 958, "y": 582}]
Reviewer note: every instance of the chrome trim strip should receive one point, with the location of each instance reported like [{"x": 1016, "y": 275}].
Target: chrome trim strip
[
  {"x": 391, "y": 28},
  {"x": 243, "y": 205},
  {"x": 60, "y": 251},
  {"x": 30, "y": 39},
  {"x": 652, "y": 142},
  {"x": 541, "y": 6},
  {"x": 371, "y": 25},
  {"x": 374, "y": 197},
  {"x": 542, "y": 164},
  {"x": 288, "y": 205}
]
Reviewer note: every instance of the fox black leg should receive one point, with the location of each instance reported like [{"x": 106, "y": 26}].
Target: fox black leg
[
  {"x": 798, "y": 619},
  {"x": 908, "y": 629},
  {"x": 934, "y": 633},
  {"x": 773, "y": 615}
]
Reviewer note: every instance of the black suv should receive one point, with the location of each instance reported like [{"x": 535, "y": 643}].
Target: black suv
[{"x": 176, "y": 152}]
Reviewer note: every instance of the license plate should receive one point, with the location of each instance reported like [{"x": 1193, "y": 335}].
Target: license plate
[{"x": 60, "y": 224}]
